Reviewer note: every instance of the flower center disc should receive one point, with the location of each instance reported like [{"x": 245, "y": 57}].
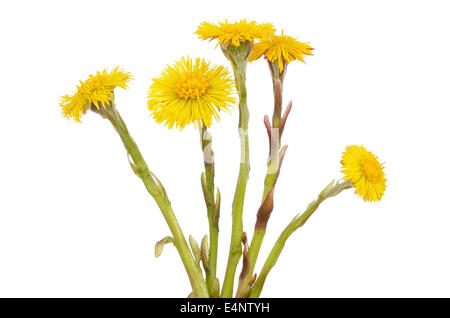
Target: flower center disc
[
  {"x": 372, "y": 169},
  {"x": 191, "y": 86}
]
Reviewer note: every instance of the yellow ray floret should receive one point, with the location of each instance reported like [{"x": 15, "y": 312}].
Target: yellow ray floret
[
  {"x": 365, "y": 172},
  {"x": 281, "y": 49},
  {"x": 97, "y": 90},
  {"x": 190, "y": 91},
  {"x": 234, "y": 33}
]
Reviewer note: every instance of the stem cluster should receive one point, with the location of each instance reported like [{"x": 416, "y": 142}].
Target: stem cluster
[{"x": 250, "y": 285}]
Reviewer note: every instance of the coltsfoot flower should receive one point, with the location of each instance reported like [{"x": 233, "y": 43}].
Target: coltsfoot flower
[
  {"x": 281, "y": 49},
  {"x": 97, "y": 90},
  {"x": 234, "y": 33},
  {"x": 365, "y": 172},
  {"x": 190, "y": 91}
]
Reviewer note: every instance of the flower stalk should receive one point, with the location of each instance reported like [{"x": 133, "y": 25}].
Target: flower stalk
[
  {"x": 299, "y": 220},
  {"x": 238, "y": 56},
  {"x": 157, "y": 191},
  {"x": 212, "y": 205},
  {"x": 274, "y": 162}
]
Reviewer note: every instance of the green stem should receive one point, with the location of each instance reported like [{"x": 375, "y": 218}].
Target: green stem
[
  {"x": 269, "y": 182},
  {"x": 330, "y": 191},
  {"x": 255, "y": 246},
  {"x": 212, "y": 210},
  {"x": 155, "y": 188},
  {"x": 238, "y": 57},
  {"x": 260, "y": 227}
]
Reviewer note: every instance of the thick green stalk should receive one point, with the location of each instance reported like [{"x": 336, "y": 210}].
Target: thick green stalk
[
  {"x": 213, "y": 210},
  {"x": 155, "y": 188},
  {"x": 261, "y": 223},
  {"x": 330, "y": 191},
  {"x": 269, "y": 183},
  {"x": 255, "y": 246},
  {"x": 238, "y": 57}
]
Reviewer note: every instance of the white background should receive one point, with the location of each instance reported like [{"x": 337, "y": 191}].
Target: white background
[{"x": 75, "y": 221}]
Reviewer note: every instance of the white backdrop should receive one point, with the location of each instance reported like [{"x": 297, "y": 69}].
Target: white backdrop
[{"x": 75, "y": 221}]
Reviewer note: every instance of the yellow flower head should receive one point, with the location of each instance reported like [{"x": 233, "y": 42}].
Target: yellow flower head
[
  {"x": 97, "y": 90},
  {"x": 281, "y": 49},
  {"x": 190, "y": 91},
  {"x": 234, "y": 33},
  {"x": 365, "y": 172}
]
